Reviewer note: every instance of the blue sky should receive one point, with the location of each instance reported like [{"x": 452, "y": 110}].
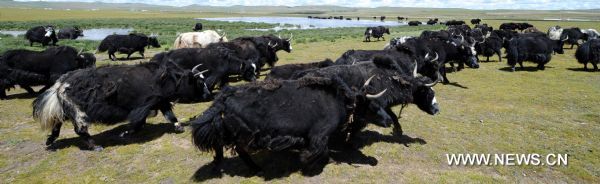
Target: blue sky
[{"x": 470, "y": 4}]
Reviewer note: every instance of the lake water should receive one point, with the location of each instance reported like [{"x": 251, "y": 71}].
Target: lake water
[
  {"x": 306, "y": 23},
  {"x": 89, "y": 34}
]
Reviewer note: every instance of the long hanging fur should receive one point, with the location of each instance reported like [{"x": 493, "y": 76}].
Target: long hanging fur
[
  {"x": 207, "y": 130},
  {"x": 47, "y": 108}
]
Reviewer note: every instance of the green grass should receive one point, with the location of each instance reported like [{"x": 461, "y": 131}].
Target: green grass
[{"x": 551, "y": 111}]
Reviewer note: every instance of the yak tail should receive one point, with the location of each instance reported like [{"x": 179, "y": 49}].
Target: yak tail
[
  {"x": 207, "y": 130},
  {"x": 47, "y": 108},
  {"x": 103, "y": 47},
  {"x": 26, "y": 77},
  {"x": 177, "y": 43}
]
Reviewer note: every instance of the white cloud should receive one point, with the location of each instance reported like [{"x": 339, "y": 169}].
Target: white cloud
[{"x": 470, "y": 4}]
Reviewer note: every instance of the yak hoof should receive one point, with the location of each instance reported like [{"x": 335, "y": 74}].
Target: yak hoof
[
  {"x": 97, "y": 148},
  {"x": 512, "y": 69},
  {"x": 179, "y": 129}
]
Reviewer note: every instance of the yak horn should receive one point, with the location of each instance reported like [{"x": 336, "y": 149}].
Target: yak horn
[
  {"x": 80, "y": 51},
  {"x": 291, "y": 36},
  {"x": 427, "y": 55},
  {"x": 376, "y": 95},
  {"x": 200, "y": 73},
  {"x": 415, "y": 70},
  {"x": 368, "y": 81},
  {"x": 224, "y": 34},
  {"x": 566, "y": 38},
  {"x": 462, "y": 39},
  {"x": 279, "y": 35},
  {"x": 195, "y": 69},
  {"x": 432, "y": 84},
  {"x": 272, "y": 46},
  {"x": 436, "y": 57}
]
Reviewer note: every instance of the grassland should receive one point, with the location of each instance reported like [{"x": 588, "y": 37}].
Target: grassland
[{"x": 485, "y": 110}]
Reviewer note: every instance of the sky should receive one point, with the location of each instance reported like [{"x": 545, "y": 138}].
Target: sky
[{"x": 469, "y": 4}]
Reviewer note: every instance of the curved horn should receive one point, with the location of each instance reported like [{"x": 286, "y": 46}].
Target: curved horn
[
  {"x": 369, "y": 96},
  {"x": 204, "y": 71},
  {"x": 368, "y": 81},
  {"x": 80, "y": 51},
  {"x": 462, "y": 39},
  {"x": 279, "y": 35},
  {"x": 436, "y": 57},
  {"x": 566, "y": 38},
  {"x": 195, "y": 69},
  {"x": 432, "y": 84},
  {"x": 224, "y": 34},
  {"x": 415, "y": 70},
  {"x": 272, "y": 46},
  {"x": 291, "y": 36},
  {"x": 427, "y": 55},
  {"x": 200, "y": 73}
]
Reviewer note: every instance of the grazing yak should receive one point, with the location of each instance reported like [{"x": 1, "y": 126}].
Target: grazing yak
[
  {"x": 278, "y": 115},
  {"x": 490, "y": 46},
  {"x": 41, "y": 34},
  {"x": 376, "y": 32},
  {"x": 127, "y": 44},
  {"x": 70, "y": 33},
  {"x": 198, "y": 39},
  {"x": 197, "y": 27},
  {"x": 111, "y": 94},
  {"x": 432, "y": 21},
  {"x": 222, "y": 60},
  {"x": 475, "y": 21},
  {"x": 285, "y": 72},
  {"x": 31, "y": 68},
  {"x": 534, "y": 47},
  {"x": 589, "y": 52},
  {"x": 454, "y": 23},
  {"x": 403, "y": 85},
  {"x": 414, "y": 23}
]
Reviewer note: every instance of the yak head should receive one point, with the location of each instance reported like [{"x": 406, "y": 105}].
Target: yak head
[
  {"x": 286, "y": 43},
  {"x": 185, "y": 85},
  {"x": 153, "y": 41},
  {"x": 85, "y": 60},
  {"x": 248, "y": 71},
  {"x": 78, "y": 32},
  {"x": 424, "y": 96},
  {"x": 466, "y": 47},
  {"x": 49, "y": 31}
]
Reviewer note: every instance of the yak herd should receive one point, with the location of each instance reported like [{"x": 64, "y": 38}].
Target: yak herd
[{"x": 303, "y": 107}]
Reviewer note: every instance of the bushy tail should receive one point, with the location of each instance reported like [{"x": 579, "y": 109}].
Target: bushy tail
[
  {"x": 207, "y": 130},
  {"x": 177, "y": 43},
  {"x": 47, "y": 108},
  {"x": 103, "y": 47}
]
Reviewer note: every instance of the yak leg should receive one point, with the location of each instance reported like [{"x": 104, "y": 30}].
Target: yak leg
[
  {"x": 81, "y": 128},
  {"x": 499, "y": 55},
  {"x": 142, "y": 53},
  {"x": 137, "y": 118},
  {"x": 27, "y": 88},
  {"x": 595, "y": 66},
  {"x": 46, "y": 87},
  {"x": 443, "y": 72},
  {"x": 217, "y": 159},
  {"x": 585, "y": 66},
  {"x": 167, "y": 111},
  {"x": 521, "y": 64},
  {"x": 317, "y": 146},
  {"x": 397, "y": 126},
  {"x": 246, "y": 158},
  {"x": 30, "y": 43},
  {"x": 3, "y": 94},
  {"x": 54, "y": 134},
  {"x": 487, "y": 59}
]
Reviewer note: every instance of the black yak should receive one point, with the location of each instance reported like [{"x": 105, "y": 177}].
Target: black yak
[
  {"x": 111, "y": 94},
  {"x": 127, "y": 44}
]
